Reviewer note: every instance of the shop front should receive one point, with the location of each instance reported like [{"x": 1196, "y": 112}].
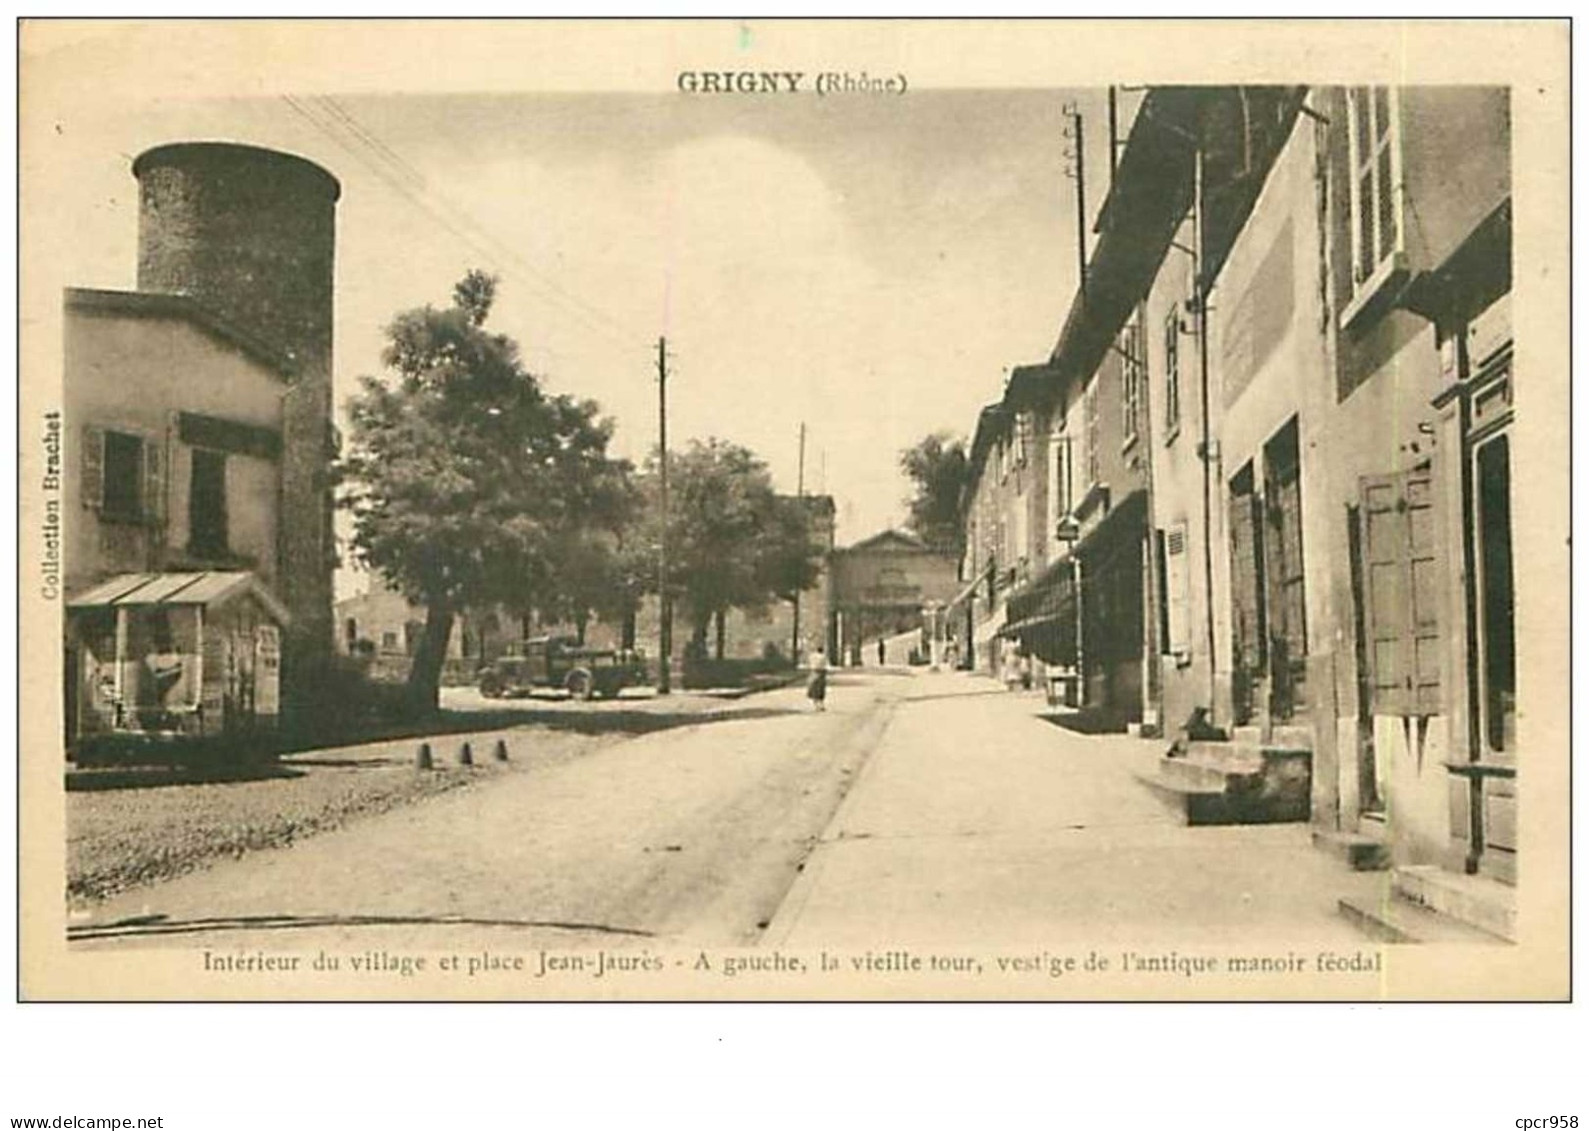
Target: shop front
[
  {"x": 1112, "y": 619},
  {"x": 1044, "y": 623},
  {"x": 179, "y": 660}
]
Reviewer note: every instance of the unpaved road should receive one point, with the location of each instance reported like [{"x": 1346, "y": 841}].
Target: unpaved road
[{"x": 691, "y": 834}]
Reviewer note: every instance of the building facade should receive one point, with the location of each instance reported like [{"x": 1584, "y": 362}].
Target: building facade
[
  {"x": 200, "y": 403},
  {"x": 883, "y": 586},
  {"x": 175, "y": 493},
  {"x": 1280, "y": 418}
]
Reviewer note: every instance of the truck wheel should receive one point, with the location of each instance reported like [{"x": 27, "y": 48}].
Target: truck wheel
[{"x": 580, "y": 685}]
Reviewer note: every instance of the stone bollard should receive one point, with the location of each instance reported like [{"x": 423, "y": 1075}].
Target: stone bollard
[
  {"x": 501, "y": 751},
  {"x": 423, "y": 760},
  {"x": 465, "y": 755}
]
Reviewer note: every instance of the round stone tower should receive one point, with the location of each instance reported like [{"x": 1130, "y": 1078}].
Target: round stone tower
[{"x": 250, "y": 234}]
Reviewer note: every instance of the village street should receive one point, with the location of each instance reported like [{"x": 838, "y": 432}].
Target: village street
[{"x": 920, "y": 807}]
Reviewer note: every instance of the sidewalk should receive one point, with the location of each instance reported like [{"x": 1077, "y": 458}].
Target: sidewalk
[{"x": 977, "y": 820}]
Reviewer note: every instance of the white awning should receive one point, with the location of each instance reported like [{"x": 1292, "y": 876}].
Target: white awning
[{"x": 210, "y": 588}]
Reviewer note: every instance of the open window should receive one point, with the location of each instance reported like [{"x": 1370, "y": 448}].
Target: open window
[
  {"x": 1133, "y": 372},
  {"x": 1375, "y": 199},
  {"x": 1172, "y": 374},
  {"x": 207, "y": 520},
  {"x": 1090, "y": 415},
  {"x": 122, "y": 475}
]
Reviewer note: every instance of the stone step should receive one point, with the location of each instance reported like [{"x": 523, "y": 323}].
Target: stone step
[
  {"x": 1196, "y": 774},
  {"x": 1211, "y": 795},
  {"x": 1194, "y": 804},
  {"x": 1231, "y": 757},
  {"x": 1393, "y": 919},
  {"x": 1277, "y": 770},
  {"x": 1476, "y": 901},
  {"x": 1362, "y": 853},
  {"x": 1291, "y": 737}
]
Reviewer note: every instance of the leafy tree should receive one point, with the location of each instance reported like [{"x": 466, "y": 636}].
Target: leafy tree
[
  {"x": 588, "y": 578},
  {"x": 466, "y": 480},
  {"x": 733, "y": 542},
  {"x": 787, "y": 553},
  {"x": 939, "y": 470}
]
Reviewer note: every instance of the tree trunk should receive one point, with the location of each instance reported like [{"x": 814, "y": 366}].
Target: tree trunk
[
  {"x": 581, "y": 619},
  {"x": 629, "y": 630},
  {"x": 719, "y": 634},
  {"x": 424, "y": 677}
]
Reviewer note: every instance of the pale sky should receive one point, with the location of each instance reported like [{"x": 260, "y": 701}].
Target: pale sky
[{"x": 870, "y": 266}]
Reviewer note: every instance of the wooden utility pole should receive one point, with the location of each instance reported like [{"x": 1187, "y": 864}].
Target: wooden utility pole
[
  {"x": 664, "y": 601},
  {"x": 800, "y": 495},
  {"x": 1081, "y": 203},
  {"x": 800, "y": 480},
  {"x": 1114, "y": 133}
]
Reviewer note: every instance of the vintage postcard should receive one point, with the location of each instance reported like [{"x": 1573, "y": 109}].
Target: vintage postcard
[{"x": 768, "y": 510}]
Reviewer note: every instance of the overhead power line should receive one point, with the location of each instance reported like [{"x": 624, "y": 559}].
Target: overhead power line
[{"x": 360, "y": 142}]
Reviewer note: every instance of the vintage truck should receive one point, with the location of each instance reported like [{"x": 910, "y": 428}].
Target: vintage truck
[{"x": 561, "y": 662}]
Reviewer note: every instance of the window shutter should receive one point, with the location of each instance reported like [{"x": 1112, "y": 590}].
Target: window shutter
[
  {"x": 1176, "y": 593},
  {"x": 1425, "y": 589},
  {"x": 154, "y": 481},
  {"x": 93, "y": 488},
  {"x": 1248, "y": 630},
  {"x": 1385, "y": 580},
  {"x": 1405, "y": 582}
]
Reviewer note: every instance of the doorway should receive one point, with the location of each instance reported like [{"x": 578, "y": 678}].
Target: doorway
[
  {"x": 1285, "y": 597},
  {"x": 1248, "y": 632},
  {"x": 1369, "y": 797},
  {"x": 1492, "y": 532}
]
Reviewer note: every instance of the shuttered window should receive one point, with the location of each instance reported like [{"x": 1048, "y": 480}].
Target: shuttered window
[
  {"x": 1090, "y": 411},
  {"x": 1376, "y": 171},
  {"x": 1133, "y": 372},
  {"x": 123, "y": 476},
  {"x": 1403, "y": 580},
  {"x": 1066, "y": 476},
  {"x": 154, "y": 482},
  {"x": 1177, "y": 595},
  {"x": 92, "y": 487},
  {"x": 1172, "y": 373}
]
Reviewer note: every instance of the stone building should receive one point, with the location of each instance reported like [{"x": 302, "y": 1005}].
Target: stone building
[
  {"x": 200, "y": 403},
  {"x": 880, "y": 587},
  {"x": 1299, "y": 303},
  {"x": 176, "y": 481},
  {"x": 778, "y": 627},
  {"x": 382, "y": 628}
]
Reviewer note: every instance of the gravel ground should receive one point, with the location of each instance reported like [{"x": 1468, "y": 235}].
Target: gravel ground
[
  {"x": 679, "y": 832},
  {"x": 123, "y": 838}
]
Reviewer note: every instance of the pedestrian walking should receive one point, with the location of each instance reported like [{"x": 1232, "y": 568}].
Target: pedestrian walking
[
  {"x": 882, "y": 652},
  {"x": 817, "y": 684}
]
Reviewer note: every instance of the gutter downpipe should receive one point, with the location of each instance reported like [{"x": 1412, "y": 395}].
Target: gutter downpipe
[{"x": 1207, "y": 457}]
